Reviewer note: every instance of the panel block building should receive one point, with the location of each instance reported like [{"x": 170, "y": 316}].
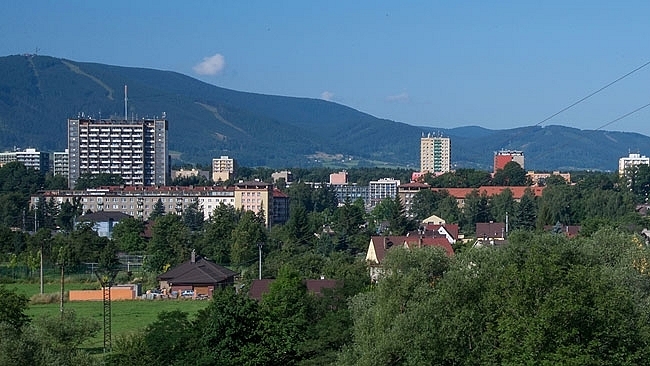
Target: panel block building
[
  {"x": 136, "y": 150},
  {"x": 435, "y": 154}
]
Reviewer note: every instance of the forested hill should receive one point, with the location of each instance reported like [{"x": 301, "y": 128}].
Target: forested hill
[{"x": 39, "y": 93}]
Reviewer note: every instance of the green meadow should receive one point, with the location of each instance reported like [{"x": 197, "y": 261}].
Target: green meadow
[{"x": 127, "y": 316}]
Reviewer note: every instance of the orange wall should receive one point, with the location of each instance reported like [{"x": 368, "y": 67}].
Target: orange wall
[{"x": 117, "y": 293}]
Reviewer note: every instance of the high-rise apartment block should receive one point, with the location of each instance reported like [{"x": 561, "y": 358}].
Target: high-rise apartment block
[
  {"x": 222, "y": 168},
  {"x": 503, "y": 157},
  {"x": 136, "y": 150},
  {"x": 630, "y": 161},
  {"x": 435, "y": 154}
]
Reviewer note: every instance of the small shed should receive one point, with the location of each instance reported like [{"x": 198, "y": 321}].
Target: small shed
[{"x": 199, "y": 275}]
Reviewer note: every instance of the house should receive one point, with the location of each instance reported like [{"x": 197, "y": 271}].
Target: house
[
  {"x": 103, "y": 221},
  {"x": 491, "y": 230},
  {"x": 569, "y": 230},
  {"x": 379, "y": 245},
  {"x": 315, "y": 287},
  {"x": 199, "y": 275}
]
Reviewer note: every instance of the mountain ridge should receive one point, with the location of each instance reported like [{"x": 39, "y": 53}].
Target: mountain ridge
[{"x": 39, "y": 93}]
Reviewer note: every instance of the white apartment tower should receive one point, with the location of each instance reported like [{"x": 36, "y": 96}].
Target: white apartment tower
[
  {"x": 630, "y": 161},
  {"x": 136, "y": 150},
  {"x": 222, "y": 168},
  {"x": 435, "y": 153}
]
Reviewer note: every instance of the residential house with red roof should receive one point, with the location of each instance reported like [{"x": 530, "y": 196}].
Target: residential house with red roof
[{"x": 379, "y": 246}]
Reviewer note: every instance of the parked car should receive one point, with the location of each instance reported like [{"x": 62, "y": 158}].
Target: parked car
[{"x": 187, "y": 293}]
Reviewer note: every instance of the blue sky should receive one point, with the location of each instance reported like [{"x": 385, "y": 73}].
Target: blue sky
[{"x": 495, "y": 64}]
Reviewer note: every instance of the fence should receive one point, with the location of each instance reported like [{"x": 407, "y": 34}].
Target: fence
[{"x": 83, "y": 272}]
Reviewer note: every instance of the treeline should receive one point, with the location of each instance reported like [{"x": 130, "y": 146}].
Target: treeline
[{"x": 543, "y": 298}]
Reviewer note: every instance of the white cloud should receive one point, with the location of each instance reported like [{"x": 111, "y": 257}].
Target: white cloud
[
  {"x": 402, "y": 97},
  {"x": 326, "y": 95},
  {"x": 211, "y": 65}
]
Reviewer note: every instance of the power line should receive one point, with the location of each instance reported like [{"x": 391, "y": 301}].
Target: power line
[
  {"x": 623, "y": 116},
  {"x": 594, "y": 93}
]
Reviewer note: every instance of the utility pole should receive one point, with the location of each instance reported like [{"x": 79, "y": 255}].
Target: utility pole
[{"x": 259, "y": 247}]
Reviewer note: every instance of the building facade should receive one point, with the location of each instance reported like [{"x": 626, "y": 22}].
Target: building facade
[
  {"x": 136, "y": 150},
  {"x": 630, "y": 161},
  {"x": 222, "y": 168},
  {"x": 139, "y": 201},
  {"x": 435, "y": 154},
  {"x": 30, "y": 157},
  {"x": 60, "y": 163},
  {"x": 256, "y": 196},
  {"x": 503, "y": 157},
  {"x": 380, "y": 189}
]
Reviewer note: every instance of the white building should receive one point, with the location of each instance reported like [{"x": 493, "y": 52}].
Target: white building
[
  {"x": 630, "y": 161},
  {"x": 30, "y": 157},
  {"x": 380, "y": 189},
  {"x": 222, "y": 168},
  {"x": 435, "y": 154}
]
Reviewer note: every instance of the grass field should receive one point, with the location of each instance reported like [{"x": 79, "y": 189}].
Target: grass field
[{"x": 127, "y": 316}]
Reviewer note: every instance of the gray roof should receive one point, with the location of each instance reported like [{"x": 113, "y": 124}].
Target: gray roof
[
  {"x": 103, "y": 216},
  {"x": 199, "y": 272}
]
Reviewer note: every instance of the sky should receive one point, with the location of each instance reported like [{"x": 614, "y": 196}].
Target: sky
[{"x": 445, "y": 64}]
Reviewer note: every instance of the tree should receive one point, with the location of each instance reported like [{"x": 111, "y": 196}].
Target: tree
[
  {"x": 476, "y": 209},
  {"x": 166, "y": 340},
  {"x": 542, "y": 299},
  {"x": 169, "y": 244},
  {"x": 512, "y": 174},
  {"x": 388, "y": 319},
  {"x": 216, "y": 240},
  {"x": 227, "y": 332},
  {"x": 129, "y": 235},
  {"x": 285, "y": 317},
  {"x": 525, "y": 214},
  {"x": 158, "y": 210},
  {"x": 298, "y": 228},
  {"x": 250, "y": 231},
  {"x": 12, "y": 308},
  {"x": 501, "y": 205},
  {"x": 425, "y": 203},
  {"x": 557, "y": 203},
  {"x": 89, "y": 180},
  {"x": 193, "y": 217}
]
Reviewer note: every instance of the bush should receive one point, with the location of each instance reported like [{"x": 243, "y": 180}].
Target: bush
[{"x": 51, "y": 298}]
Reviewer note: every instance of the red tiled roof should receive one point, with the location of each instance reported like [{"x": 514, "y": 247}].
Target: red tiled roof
[
  {"x": 517, "y": 192},
  {"x": 382, "y": 244}
]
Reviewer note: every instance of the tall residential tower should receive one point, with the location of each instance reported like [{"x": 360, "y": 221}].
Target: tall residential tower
[
  {"x": 435, "y": 152},
  {"x": 136, "y": 150}
]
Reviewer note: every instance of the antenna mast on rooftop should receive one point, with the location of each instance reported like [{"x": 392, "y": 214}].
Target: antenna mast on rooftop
[{"x": 126, "y": 114}]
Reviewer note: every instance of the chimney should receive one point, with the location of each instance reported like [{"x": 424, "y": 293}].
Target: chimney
[
  {"x": 420, "y": 242},
  {"x": 193, "y": 259},
  {"x": 385, "y": 242}
]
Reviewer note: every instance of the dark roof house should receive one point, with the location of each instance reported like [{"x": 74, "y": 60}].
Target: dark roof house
[{"x": 198, "y": 274}]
